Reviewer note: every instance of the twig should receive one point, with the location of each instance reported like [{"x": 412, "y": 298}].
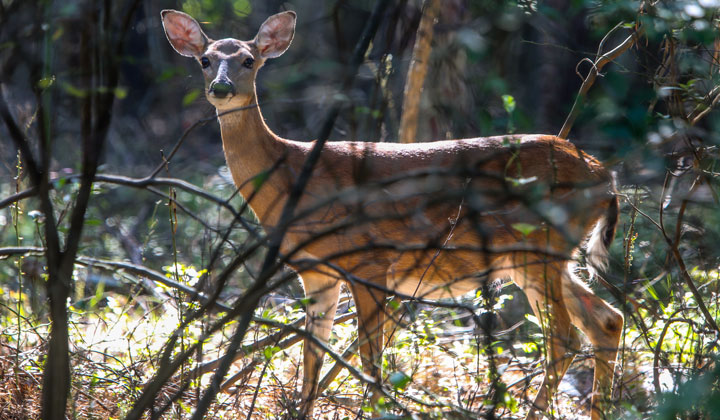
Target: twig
[
  {"x": 681, "y": 264},
  {"x": 181, "y": 140},
  {"x": 597, "y": 66},
  {"x": 21, "y": 195},
  {"x": 337, "y": 367},
  {"x": 135, "y": 269},
  {"x": 267, "y": 340},
  {"x": 713, "y": 97},
  {"x": 658, "y": 349}
]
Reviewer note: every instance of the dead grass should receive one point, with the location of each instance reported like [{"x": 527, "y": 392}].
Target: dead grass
[{"x": 115, "y": 348}]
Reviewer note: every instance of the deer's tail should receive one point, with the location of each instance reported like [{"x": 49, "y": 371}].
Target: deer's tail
[{"x": 602, "y": 236}]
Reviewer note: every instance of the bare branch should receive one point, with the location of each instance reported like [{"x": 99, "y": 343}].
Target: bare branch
[{"x": 597, "y": 66}]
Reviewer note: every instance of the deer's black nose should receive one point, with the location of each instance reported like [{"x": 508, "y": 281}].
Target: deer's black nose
[{"x": 221, "y": 88}]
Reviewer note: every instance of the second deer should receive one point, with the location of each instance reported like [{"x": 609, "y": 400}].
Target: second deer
[{"x": 425, "y": 220}]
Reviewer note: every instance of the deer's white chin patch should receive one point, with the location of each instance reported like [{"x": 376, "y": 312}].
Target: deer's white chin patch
[
  {"x": 230, "y": 102},
  {"x": 220, "y": 102}
]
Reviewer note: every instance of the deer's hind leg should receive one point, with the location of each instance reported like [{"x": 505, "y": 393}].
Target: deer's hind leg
[
  {"x": 542, "y": 283},
  {"x": 603, "y": 325}
]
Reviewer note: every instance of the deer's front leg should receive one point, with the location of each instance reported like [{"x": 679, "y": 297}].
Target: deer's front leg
[
  {"x": 542, "y": 285},
  {"x": 323, "y": 291}
]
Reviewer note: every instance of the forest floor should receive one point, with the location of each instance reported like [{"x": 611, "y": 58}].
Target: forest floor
[{"x": 116, "y": 343}]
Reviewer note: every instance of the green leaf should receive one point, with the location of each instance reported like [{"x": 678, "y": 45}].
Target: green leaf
[
  {"x": 74, "y": 91},
  {"x": 529, "y": 347},
  {"x": 362, "y": 110},
  {"x": 399, "y": 380},
  {"x": 394, "y": 304},
  {"x": 46, "y": 82},
  {"x": 169, "y": 73},
  {"x": 533, "y": 319},
  {"x": 510, "y": 402},
  {"x": 650, "y": 289},
  {"x": 260, "y": 179},
  {"x": 93, "y": 222},
  {"x": 268, "y": 352},
  {"x": 99, "y": 292},
  {"x": 242, "y": 8},
  {"x": 509, "y": 103},
  {"x": 524, "y": 228},
  {"x": 190, "y": 97},
  {"x": 306, "y": 301},
  {"x": 517, "y": 182},
  {"x": 121, "y": 92}
]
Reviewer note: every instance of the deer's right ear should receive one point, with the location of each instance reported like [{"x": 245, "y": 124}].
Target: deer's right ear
[{"x": 184, "y": 33}]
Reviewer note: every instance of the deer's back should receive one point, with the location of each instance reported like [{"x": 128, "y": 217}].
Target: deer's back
[{"x": 388, "y": 198}]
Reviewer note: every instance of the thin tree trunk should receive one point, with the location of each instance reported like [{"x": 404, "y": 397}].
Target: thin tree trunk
[{"x": 416, "y": 73}]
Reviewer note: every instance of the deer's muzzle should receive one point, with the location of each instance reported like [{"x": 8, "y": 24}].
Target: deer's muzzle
[{"x": 221, "y": 88}]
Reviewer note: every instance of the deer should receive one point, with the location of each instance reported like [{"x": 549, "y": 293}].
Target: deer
[{"x": 426, "y": 220}]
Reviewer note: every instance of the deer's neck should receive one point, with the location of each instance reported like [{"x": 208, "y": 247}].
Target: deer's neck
[{"x": 251, "y": 150}]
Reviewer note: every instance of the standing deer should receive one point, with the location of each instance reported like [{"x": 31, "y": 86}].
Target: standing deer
[{"x": 430, "y": 220}]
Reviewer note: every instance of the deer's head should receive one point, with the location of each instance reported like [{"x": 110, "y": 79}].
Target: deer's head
[{"x": 228, "y": 65}]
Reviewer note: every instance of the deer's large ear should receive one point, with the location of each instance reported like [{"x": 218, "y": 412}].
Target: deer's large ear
[
  {"x": 184, "y": 33},
  {"x": 276, "y": 34}
]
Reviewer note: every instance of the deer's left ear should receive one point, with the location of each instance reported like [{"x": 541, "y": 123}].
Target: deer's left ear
[
  {"x": 184, "y": 33},
  {"x": 276, "y": 34}
]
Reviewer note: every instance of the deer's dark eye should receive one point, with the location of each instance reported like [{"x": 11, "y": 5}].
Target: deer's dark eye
[
  {"x": 248, "y": 62},
  {"x": 205, "y": 62}
]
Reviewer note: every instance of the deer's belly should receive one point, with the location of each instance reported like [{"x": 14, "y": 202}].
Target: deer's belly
[{"x": 427, "y": 287}]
